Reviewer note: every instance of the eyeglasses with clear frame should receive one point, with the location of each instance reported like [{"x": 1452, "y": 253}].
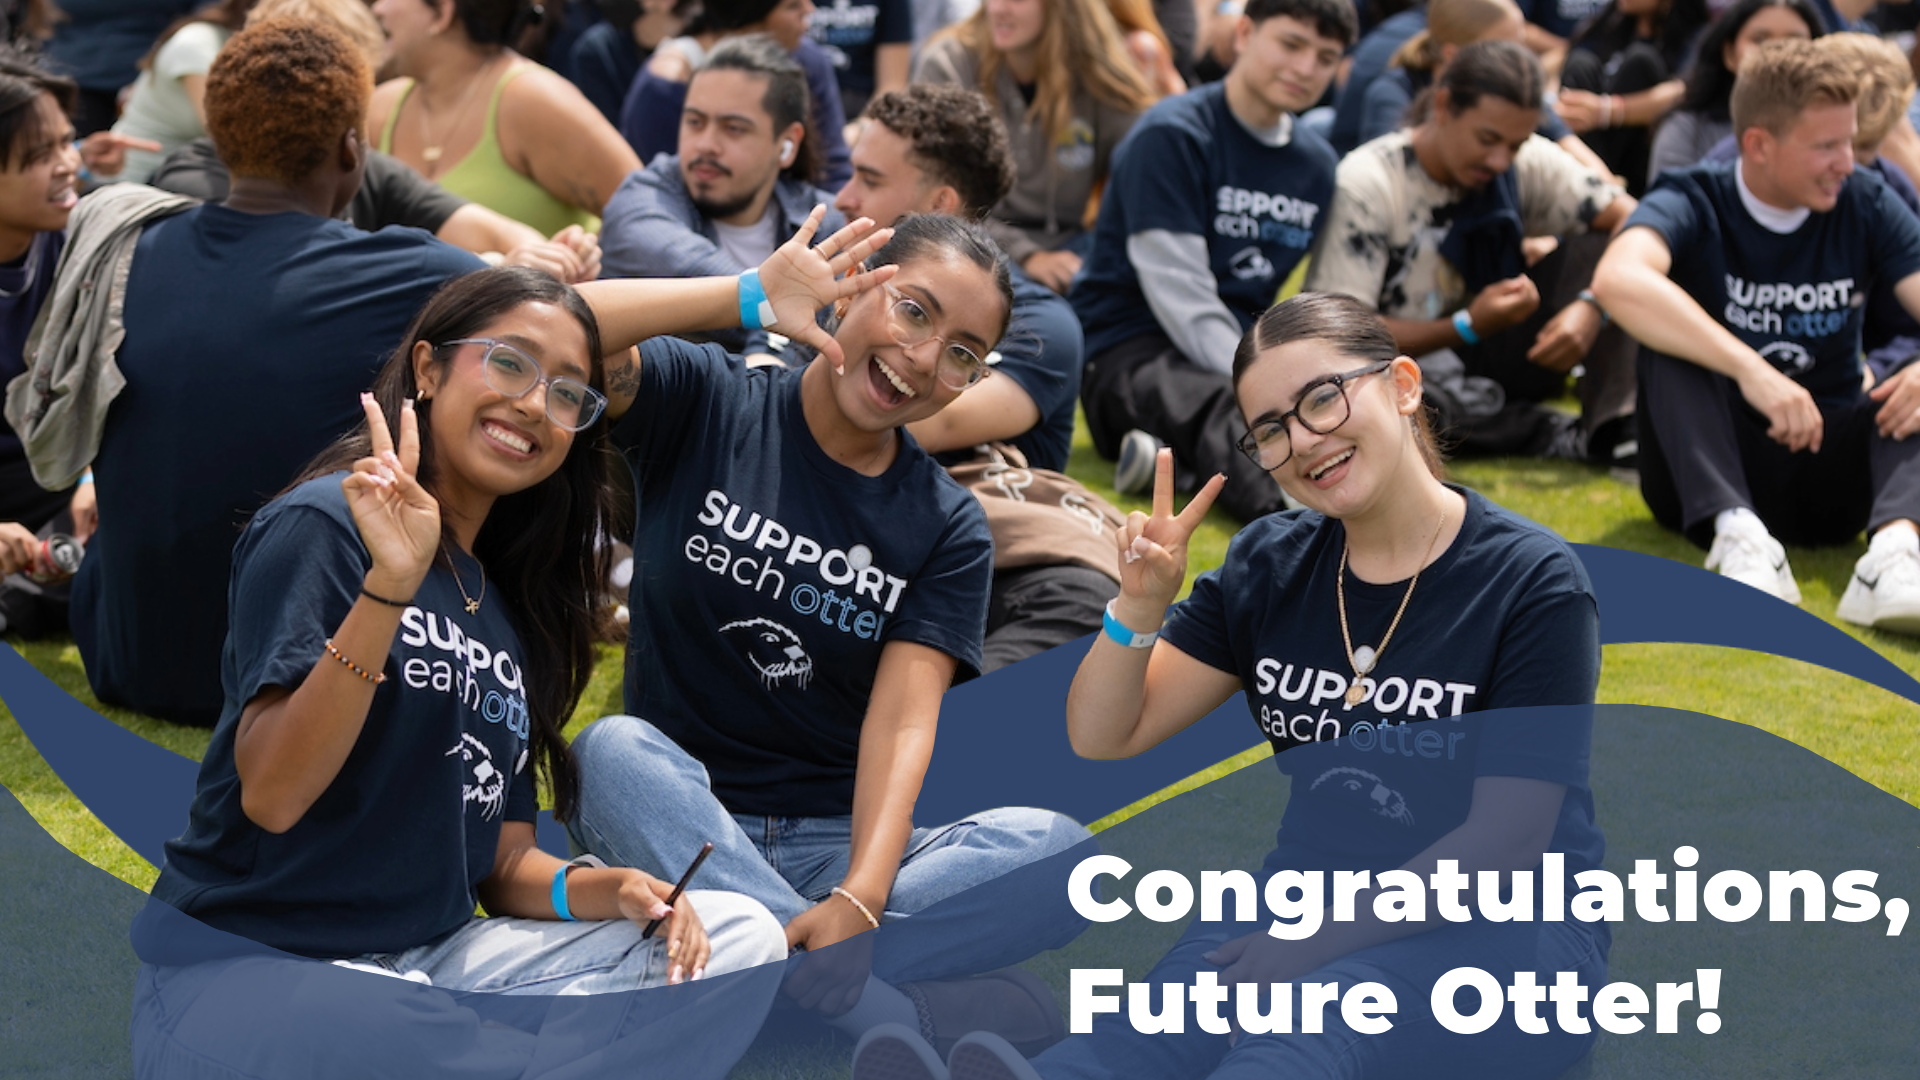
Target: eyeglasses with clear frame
[
  {"x": 570, "y": 403},
  {"x": 1321, "y": 408},
  {"x": 912, "y": 326}
]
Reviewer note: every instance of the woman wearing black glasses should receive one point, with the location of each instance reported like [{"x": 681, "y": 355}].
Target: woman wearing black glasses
[
  {"x": 1374, "y": 621},
  {"x": 807, "y": 582}
]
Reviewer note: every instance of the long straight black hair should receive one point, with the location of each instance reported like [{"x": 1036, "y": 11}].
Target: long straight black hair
[{"x": 539, "y": 546}]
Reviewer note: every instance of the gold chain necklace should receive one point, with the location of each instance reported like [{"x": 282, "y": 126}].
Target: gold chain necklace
[
  {"x": 1363, "y": 658},
  {"x": 473, "y": 602},
  {"x": 429, "y": 152}
]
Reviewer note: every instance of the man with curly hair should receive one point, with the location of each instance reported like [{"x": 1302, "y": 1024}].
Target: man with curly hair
[{"x": 251, "y": 327}]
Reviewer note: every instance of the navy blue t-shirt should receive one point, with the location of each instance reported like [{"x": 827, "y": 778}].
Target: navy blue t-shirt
[
  {"x": 767, "y": 577},
  {"x": 1795, "y": 299},
  {"x": 1043, "y": 352},
  {"x": 1505, "y": 618},
  {"x": 249, "y": 340},
  {"x": 393, "y": 852},
  {"x": 605, "y": 60},
  {"x": 852, "y": 30},
  {"x": 24, "y": 286},
  {"x": 1189, "y": 166}
]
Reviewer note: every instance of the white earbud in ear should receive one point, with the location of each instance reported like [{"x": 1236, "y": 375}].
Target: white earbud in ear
[{"x": 786, "y": 151}]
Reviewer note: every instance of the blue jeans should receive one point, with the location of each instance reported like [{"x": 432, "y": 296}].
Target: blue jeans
[
  {"x": 1415, "y": 1046},
  {"x": 269, "y": 1016},
  {"x": 645, "y": 802}
]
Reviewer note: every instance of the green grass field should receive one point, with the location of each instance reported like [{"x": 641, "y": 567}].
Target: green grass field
[{"x": 1862, "y": 728}]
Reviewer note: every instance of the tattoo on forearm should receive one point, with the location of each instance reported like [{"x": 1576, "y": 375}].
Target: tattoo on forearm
[{"x": 624, "y": 377}]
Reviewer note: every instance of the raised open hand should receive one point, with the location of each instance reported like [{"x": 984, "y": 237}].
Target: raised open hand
[
  {"x": 800, "y": 279},
  {"x": 1153, "y": 550},
  {"x": 398, "y": 520}
]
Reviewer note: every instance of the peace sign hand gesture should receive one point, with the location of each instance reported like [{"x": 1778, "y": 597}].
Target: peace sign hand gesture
[
  {"x": 399, "y": 521},
  {"x": 800, "y": 280},
  {"x": 1153, "y": 550}
]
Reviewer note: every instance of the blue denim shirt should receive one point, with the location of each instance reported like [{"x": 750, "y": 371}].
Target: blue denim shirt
[{"x": 652, "y": 229}]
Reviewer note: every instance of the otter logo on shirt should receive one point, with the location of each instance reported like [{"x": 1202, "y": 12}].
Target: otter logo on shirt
[
  {"x": 1241, "y": 214},
  {"x": 459, "y": 672},
  {"x": 1302, "y": 704},
  {"x": 1368, "y": 789},
  {"x": 485, "y": 785},
  {"x": 1790, "y": 357},
  {"x": 773, "y": 650}
]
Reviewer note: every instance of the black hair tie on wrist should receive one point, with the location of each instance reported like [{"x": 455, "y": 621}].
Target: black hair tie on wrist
[{"x": 383, "y": 600}]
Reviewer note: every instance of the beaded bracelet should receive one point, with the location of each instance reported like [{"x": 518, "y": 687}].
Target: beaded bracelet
[
  {"x": 374, "y": 677},
  {"x": 855, "y": 901}
]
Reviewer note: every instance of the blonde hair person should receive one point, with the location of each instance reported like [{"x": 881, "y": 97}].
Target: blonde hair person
[
  {"x": 1452, "y": 24},
  {"x": 1886, "y": 88},
  {"x": 487, "y": 124},
  {"x": 351, "y": 17},
  {"x": 1148, "y": 44},
  {"x": 1060, "y": 75}
]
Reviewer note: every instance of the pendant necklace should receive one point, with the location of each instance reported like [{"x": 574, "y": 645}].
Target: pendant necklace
[
  {"x": 429, "y": 151},
  {"x": 473, "y": 602},
  {"x": 1365, "y": 657}
]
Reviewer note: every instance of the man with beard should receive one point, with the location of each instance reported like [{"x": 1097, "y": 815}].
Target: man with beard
[{"x": 736, "y": 190}]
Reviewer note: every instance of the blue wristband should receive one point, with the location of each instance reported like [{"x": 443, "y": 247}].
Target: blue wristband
[
  {"x": 756, "y": 313},
  {"x": 1463, "y": 325},
  {"x": 560, "y": 894},
  {"x": 1119, "y": 632}
]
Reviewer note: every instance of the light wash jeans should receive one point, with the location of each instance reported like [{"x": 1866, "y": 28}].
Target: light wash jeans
[
  {"x": 645, "y": 802},
  {"x": 269, "y": 1017}
]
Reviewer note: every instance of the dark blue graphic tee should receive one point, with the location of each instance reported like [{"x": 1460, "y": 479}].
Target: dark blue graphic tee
[
  {"x": 1505, "y": 618},
  {"x": 851, "y": 31},
  {"x": 767, "y": 578},
  {"x": 1560, "y": 17},
  {"x": 392, "y": 854},
  {"x": 1796, "y": 299},
  {"x": 1190, "y": 167}
]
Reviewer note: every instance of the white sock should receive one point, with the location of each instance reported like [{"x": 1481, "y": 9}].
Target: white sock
[
  {"x": 1894, "y": 538},
  {"x": 878, "y": 1004},
  {"x": 1739, "y": 519}
]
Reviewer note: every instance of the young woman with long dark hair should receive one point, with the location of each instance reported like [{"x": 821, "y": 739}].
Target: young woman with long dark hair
[{"x": 412, "y": 623}]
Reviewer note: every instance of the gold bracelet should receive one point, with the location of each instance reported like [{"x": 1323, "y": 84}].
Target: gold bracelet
[
  {"x": 855, "y": 901},
  {"x": 374, "y": 677}
]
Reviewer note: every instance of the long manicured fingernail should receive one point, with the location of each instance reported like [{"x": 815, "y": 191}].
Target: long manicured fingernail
[
  {"x": 660, "y": 910},
  {"x": 699, "y": 973},
  {"x": 407, "y": 404},
  {"x": 673, "y": 975}
]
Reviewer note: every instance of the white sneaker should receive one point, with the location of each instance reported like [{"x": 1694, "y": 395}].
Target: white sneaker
[
  {"x": 1133, "y": 473},
  {"x": 986, "y": 1056},
  {"x": 896, "y": 1052},
  {"x": 1751, "y": 557},
  {"x": 1885, "y": 591}
]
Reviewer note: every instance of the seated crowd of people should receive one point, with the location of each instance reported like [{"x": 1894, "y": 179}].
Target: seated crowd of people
[{"x": 369, "y": 325}]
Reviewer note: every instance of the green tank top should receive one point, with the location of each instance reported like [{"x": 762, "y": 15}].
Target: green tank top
[{"x": 484, "y": 176}]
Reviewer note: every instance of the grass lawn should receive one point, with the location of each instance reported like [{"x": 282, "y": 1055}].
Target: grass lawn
[{"x": 1862, "y": 728}]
